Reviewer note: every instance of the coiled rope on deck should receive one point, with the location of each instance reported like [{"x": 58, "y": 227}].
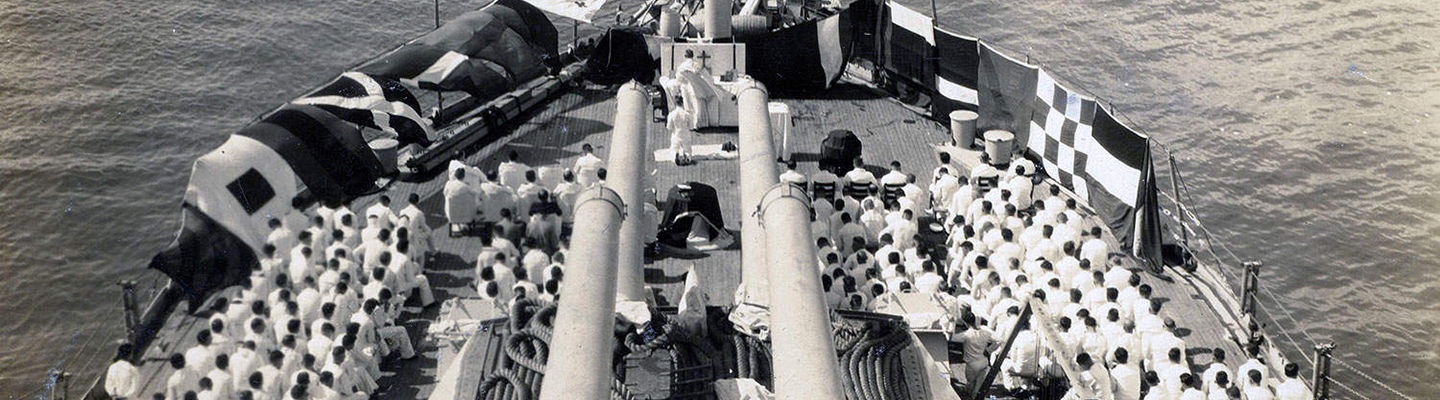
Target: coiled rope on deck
[
  {"x": 872, "y": 367},
  {"x": 525, "y": 353}
]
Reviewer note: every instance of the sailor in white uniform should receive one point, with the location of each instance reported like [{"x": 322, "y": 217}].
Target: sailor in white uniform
[
  {"x": 512, "y": 171},
  {"x": 380, "y": 215},
  {"x": 588, "y": 166},
  {"x": 794, "y": 177},
  {"x": 1124, "y": 376},
  {"x": 461, "y": 200},
  {"x": 184, "y": 380},
  {"x": 280, "y": 236},
  {"x": 825, "y": 183},
  {"x": 122, "y": 379},
  {"x": 1096, "y": 250},
  {"x": 892, "y": 182},
  {"x": 681, "y": 123},
  {"x": 1292, "y": 388},
  {"x": 859, "y": 182},
  {"x": 984, "y": 175}
]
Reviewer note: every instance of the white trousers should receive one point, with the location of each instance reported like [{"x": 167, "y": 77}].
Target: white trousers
[
  {"x": 681, "y": 142},
  {"x": 397, "y": 339},
  {"x": 427, "y": 297}
]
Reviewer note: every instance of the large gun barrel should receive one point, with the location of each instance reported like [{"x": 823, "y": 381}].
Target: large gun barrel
[
  {"x": 805, "y": 365},
  {"x": 606, "y": 253},
  {"x": 626, "y": 176}
]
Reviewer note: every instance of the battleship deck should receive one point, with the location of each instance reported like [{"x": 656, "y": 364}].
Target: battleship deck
[{"x": 553, "y": 134}]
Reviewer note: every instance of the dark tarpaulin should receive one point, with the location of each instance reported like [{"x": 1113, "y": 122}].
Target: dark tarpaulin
[
  {"x": 863, "y": 16},
  {"x": 479, "y": 78},
  {"x": 1007, "y": 93},
  {"x": 407, "y": 125},
  {"x": 497, "y": 34},
  {"x": 481, "y": 35},
  {"x": 337, "y": 144},
  {"x": 531, "y": 23},
  {"x": 621, "y": 55},
  {"x": 406, "y": 62},
  {"x": 958, "y": 61},
  {"x": 807, "y": 57},
  {"x": 204, "y": 257},
  {"x": 468, "y": 34},
  {"x": 512, "y": 52},
  {"x": 909, "y": 54},
  {"x": 702, "y": 199},
  {"x": 472, "y": 30},
  {"x": 1148, "y": 242},
  {"x": 513, "y": 35}
]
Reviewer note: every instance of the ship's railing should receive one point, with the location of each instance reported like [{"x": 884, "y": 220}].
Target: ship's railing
[
  {"x": 1227, "y": 270},
  {"x": 155, "y": 297},
  {"x": 1187, "y": 224}
]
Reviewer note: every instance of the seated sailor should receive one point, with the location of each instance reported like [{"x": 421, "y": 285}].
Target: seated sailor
[
  {"x": 859, "y": 182},
  {"x": 461, "y": 200},
  {"x": 588, "y": 166},
  {"x": 512, "y": 171},
  {"x": 824, "y": 185},
  {"x": 892, "y": 183},
  {"x": 794, "y": 177}
]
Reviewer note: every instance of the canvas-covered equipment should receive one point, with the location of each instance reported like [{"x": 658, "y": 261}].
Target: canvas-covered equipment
[
  {"x": 620, "y": 55},
  {"x": 839, "y": 150},
  {"x": 379, "y": 103},
  {"x": 483, "y": 52},
  {"x": 233, "y": 192},
  {"x": 315, "y": 144},
  {"x": 691, "y": 221}
]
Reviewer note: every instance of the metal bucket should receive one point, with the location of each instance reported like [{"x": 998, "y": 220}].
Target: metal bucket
[
  {"x": 387, "y": 150},
  {"x": 998, "y": 145},
  {"x": 962, "y": 127}
]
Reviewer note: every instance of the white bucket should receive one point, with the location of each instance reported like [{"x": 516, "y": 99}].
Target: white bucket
[
  {"x": 998, "y": 144},
  {"x": 962, "y": 127}
]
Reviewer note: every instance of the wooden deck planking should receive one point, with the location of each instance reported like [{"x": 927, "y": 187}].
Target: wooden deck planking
[{"x": 554, "y": 133}]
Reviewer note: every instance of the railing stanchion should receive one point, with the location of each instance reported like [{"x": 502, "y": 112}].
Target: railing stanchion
[
  {"x": 1247, "y": 295},
  {"x": 132, "y": 313},
  {"x": 1320, "y": 380}
]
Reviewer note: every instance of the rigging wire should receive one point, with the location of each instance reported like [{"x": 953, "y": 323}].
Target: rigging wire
[
  {"x": 1348, "y": 388},
  {"x": 1210, "y": 243},
  {"x": 1283, "y": 331},
  {"x": 1377, "y": 382}
]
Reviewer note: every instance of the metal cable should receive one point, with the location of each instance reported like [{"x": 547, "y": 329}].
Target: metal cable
[
  {"x": 1210, "y": 245},
  {"x": 1348, "y": 389},
  {"x": 1302, "y": 351},
  {"x": 1371, "y": 379}
]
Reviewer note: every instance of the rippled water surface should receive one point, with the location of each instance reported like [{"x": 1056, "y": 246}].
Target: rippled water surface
[{"x": 1308, "y": 131}]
